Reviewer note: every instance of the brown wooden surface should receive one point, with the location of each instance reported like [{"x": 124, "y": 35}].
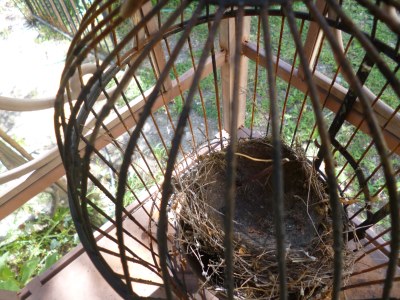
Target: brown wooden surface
[
  {"x": 227, "y": 38},
  {"x": 8, "y": 295},
  {"x": 157, "y": 54},
  {"x": 75, "y": 277},
  {"x": 313, "y": 40},
  {"x": 370, "y": 291}
]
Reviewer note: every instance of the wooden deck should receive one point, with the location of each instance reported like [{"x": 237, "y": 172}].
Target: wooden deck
[{"x": 75, "y": 277}]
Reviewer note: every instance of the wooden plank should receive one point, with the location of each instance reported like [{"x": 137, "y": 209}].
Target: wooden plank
[
  {"x": 36, "y": 183},
  {"x": 52, "y": 169},
  {"x": 226, "y": 43},
  {"x": 313, "y": 40},
  {"x": 60, "y": 282},
  {"x": 374, "y": 288},
  {"x": 227, "y": 38},
  {"x": 28, "y": 167},
  {"x": 8, "y": 295},
  {"x": 383, "y": 112},
  {"x": 157, "y": 54}
]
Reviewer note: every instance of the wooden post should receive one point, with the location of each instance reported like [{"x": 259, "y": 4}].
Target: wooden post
[
  {"x": 313, "y": 40},
  {"x": 227, "y": 43},
  {"x": 157, "y": 55}
]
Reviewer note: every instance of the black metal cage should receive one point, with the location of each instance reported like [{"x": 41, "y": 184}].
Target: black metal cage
[{"x": 151, "y": 87}]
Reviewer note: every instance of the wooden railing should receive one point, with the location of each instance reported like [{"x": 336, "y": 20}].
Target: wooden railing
[{"x": 63, "y": 15}]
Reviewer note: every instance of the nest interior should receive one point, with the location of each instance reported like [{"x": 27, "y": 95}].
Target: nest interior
[{"x": 200, "y": 210}]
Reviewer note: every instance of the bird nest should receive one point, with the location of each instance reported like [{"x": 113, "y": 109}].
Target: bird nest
[{"x": 199, "y": 207}]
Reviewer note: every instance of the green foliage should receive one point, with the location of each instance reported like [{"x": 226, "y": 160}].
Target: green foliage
[
  {"x": 28, "y": 269},
  {"x": 176, "y": 106},
  {"x": 7, "y": 280},
  {"x": 140, "y": 179},
  {"x": 35, "y": 247}
]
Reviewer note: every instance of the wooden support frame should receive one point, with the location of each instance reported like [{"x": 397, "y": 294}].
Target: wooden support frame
[
  {"x": 227, "y": 42},
  {"x": 313, "y": 40},
  {"x": 157, "y": 55},
  {"x": 48, "y": 168},
  {"x": 390, "y": 125},
  {"x": 51, "y": 169}
]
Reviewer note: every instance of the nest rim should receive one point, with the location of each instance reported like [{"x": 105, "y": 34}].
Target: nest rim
[{"x": 204, "y": 233}]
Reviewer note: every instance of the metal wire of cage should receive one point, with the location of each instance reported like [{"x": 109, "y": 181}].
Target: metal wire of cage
[{"x": 150, "y": 87}]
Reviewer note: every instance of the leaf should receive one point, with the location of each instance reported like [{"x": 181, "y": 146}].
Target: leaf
[
  {"x": 3, "y": 260},
  {"x": 9, "y": 285},
  {"x": 5, "y": 271},
  {"x": 54, "y": 244},
  {"x": 28, "y": 269},
  {"x": 50, "y": 260}
]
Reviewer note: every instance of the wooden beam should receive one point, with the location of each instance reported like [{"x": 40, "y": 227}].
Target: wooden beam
[
  {"x": 52, "y": 169},
  {"x": 157, "y": 54},
  {"x": 383, "y": 112},
  {"x": 8, "y": 295},
  {"x": 313, "y": 40},
  {"x": 227, "y": 38}
]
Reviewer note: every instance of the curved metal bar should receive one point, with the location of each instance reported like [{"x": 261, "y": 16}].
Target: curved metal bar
[
  {"x": 135, "y": 135},
  {"x": 231, "y": 160},
  {"x": 387, "y": 15},
  {"x": 348, "y": 101},
  {"x": 129, "y": 73},
  {"x": 127, "y": 157},
  {"x": 368, "y": 46},
  {"x": 79, "y": 218},
  {"x": 325, "y": 146},
  {"x": 277, "y": 158},
  {"x": 380, "y": 146},
  {"x": 167, "y": 186},
  {"x": 361, "y": 179}
]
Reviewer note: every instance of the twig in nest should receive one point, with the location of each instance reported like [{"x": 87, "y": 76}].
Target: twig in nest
[{"x": 259, "y": 159}]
